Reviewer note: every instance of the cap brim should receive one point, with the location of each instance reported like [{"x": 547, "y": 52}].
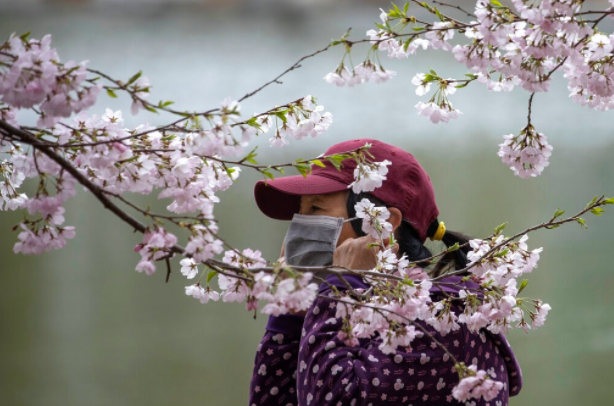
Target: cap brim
[{"x": 280, "y": 198}]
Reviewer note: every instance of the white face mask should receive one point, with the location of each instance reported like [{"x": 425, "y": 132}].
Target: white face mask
[{"x": 311, "y": 240}]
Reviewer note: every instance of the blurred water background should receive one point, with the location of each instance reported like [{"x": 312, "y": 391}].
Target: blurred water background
[{"x": 80, "y": 327}]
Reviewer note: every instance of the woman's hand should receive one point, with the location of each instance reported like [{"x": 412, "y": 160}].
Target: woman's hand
[{"x": 358, "y": 254}]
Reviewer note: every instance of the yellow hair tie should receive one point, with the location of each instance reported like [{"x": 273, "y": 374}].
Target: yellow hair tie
[{"x": 441, "y": 230}]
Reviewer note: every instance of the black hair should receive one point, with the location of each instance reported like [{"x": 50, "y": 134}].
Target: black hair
[{"x": 409, "y": 241}]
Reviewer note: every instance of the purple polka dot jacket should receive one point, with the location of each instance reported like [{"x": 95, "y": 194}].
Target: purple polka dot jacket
[{"x": 301, "y": 362}]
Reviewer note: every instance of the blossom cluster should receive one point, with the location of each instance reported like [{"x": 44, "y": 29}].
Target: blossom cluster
[
  {"x": 106, "y": 157},
  {"x": 395, "y": 47},
  {"x": 218, "y": 140},
  {"x": 294, "y": 293},
  {"x": 156, "y": 244},
  {"x": 299, "y": 120},
  {"x": 369, "y": 175},
  {"x": 384, "y": 317},
  {"x": 527, "y": 153},
  {"x": 290, "y": 294},
  {"x": 10, "y": 180},
  {"x": 31, "y": 75},
  {"x": 499, "y": 307},
  {"x": 476, "y": 385},
  {"x": 439, "y": 108},
  {"x": 47, "y": 232},
  {"x": 373, "y": 219},
  {"x": 438, "y": 112},
  {"x": 365, "y": 72},
  {"x": 504, "y": 47}
]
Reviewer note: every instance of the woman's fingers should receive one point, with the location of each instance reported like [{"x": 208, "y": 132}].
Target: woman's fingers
[
  {"x": 395, "y": 248},
  {"x": 357, "y": 253}
]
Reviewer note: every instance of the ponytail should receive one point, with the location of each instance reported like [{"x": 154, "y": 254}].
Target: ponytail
[{"x": 454, "y": 259}]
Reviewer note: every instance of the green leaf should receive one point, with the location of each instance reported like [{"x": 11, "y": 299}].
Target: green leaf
[
  {"x": 502, "y": 253},
  {"x": 347, "y": 33},
  {"x": 455, "y": 247},
  {"x": 303, "y": 168},
  {"x": 463, "y": 85},
  {"x": 523, "y": 285},
  {"x": 417, "y": 28},
  {"x": 406, "y": 7},
  {"x": 151, "y": 109},
  {"x": 558, "y": 213},
  {"x": 268, "y": 174},
  {"x": 210, "y": 276},
  {"x": 319, "y": 163},
  {"x": 426, "y": 6},
  {"x": 24, "y": 37},
  {"x": 581, "y": 221},
  {"x": 165, "y": 104},
  {"x": 250, "y": 157},
  {"x": 335, "y": 160},
  {"x": 597, "y": 211},
  {"x": 111, "y": 93},
  {"x": 500, "y": 228},
  {"x": 439, "y": 14},
  {"x": 592, "y": 201},
  {"x": 281, "y": 115},
  {"x": 609, "y": 200},
  {"x": 496, "y": 3},
  {"x": 134, "y": 78},
  {"x": 406, "y": 43}
]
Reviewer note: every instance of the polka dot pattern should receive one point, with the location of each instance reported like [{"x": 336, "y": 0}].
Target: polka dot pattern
[{"x": 308, "y": 365}]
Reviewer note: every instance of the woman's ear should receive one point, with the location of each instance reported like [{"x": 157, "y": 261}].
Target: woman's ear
[{"x": 395, "y": 217}]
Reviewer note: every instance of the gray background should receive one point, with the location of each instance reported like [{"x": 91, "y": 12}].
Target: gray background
[{"x": 80, "y": 326}]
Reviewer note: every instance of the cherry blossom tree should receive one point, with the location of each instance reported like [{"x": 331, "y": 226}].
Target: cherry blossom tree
[{"x": 198, "y": 154}]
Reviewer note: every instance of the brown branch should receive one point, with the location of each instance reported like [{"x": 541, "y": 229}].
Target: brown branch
[
  {"x": 412, "y": 322},
  {"x": 296, "y": 65},
  {"x": 168, "y": 268},
  {"x": 441, "y": 3},
  {"x": 529, "y": 113},
  {"x": 548, "y": 224},
  {"x": 122, "y": 86},
  {"x": 28, "y": 138}
]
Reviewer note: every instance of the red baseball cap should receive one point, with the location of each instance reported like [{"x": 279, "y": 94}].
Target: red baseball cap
[{"x": 407, "y": 186}]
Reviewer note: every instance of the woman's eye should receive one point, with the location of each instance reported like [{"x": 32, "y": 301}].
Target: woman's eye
[{"x": 315, "y": 208}]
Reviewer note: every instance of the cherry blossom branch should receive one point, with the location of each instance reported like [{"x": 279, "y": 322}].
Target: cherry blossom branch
[
  {"x": 381, "y": 311},
  {"x": 548, "y": 225},
  {"x": 296, "y": 65},
  {"x": 28, "y": 138},
  {"x": 456, "y": 7}
]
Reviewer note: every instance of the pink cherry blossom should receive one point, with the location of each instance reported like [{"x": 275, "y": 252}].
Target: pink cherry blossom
[
  {"x": 476, "y": 385},
  {"x": 369, "y": 177}
]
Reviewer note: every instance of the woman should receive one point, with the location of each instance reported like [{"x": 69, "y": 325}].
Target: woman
[{"x": 301, "y": 361}]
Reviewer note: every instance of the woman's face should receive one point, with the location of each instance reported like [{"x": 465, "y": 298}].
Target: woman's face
[{"x": 329, "y": 204}]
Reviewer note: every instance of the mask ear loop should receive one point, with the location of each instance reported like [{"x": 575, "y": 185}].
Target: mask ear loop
[{"x": 352, "y": 219}]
